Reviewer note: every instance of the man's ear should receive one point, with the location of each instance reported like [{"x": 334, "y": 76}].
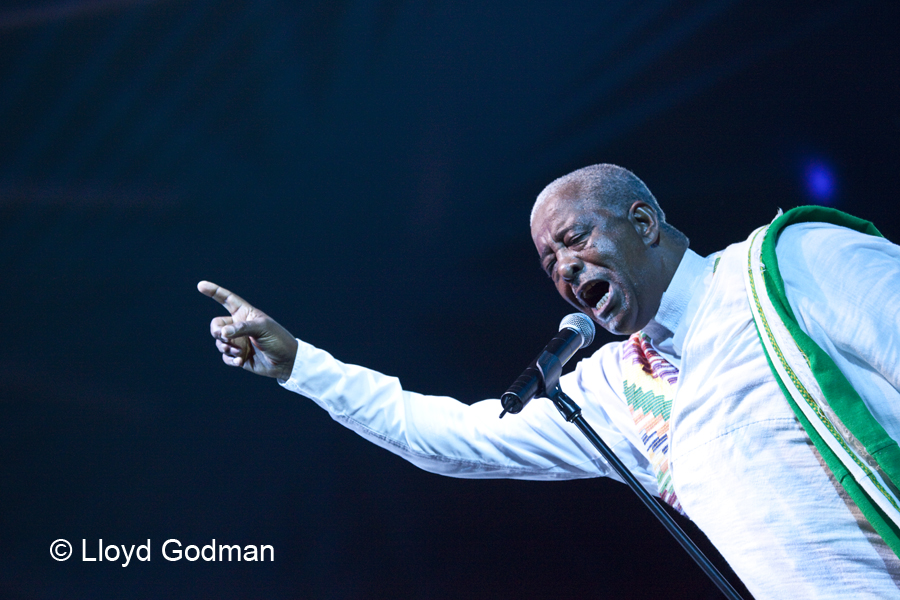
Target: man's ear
[{"x": 645, "y": 222}]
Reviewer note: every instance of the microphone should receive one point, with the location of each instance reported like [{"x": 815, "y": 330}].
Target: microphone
[{"x": 576, "y": 331}]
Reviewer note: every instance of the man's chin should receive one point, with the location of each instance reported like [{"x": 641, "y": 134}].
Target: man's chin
[
  {"x": 619, "y": 324},
  {"x": 612, "y": 327}
]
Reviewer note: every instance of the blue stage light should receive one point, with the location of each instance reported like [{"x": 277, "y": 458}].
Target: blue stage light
[{"x": 820, "y": 183}]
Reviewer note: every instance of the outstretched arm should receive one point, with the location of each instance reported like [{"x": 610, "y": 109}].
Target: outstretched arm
[
  {"x": 445, "y": 436},
  {"x": 438, "y": 434},
  {"x": 248, "y": 337}
]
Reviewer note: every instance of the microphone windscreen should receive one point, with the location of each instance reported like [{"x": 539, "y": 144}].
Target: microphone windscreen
[{"x": 581, "y": 323}]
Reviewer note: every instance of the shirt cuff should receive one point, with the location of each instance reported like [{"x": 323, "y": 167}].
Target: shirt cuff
[{"x": 304, "y": 351}]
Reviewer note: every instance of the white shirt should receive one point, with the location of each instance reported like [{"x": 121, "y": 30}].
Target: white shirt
[{"x": 742, "y": 466}]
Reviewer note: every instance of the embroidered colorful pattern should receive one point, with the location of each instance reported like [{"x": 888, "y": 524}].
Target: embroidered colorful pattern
[{"x": 649, "y": 384}]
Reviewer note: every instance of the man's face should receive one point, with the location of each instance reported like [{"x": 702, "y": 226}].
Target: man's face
[{"x": 598, "y": 261}]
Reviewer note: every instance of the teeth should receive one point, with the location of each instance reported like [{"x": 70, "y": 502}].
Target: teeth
[{"x": 602, "y": 300}]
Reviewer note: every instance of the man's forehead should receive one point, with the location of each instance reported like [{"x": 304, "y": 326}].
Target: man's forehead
[{"x": 562, "y": 209}]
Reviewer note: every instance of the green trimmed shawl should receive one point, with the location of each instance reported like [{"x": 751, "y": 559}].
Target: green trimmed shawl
[{"x": 856, "y": 448}]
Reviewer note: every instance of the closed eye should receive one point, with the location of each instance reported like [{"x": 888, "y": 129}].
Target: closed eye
[{"x": 577, "y": 241}]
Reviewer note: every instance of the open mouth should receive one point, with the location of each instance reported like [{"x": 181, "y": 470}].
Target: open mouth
[{"x": 595, "y": 294}]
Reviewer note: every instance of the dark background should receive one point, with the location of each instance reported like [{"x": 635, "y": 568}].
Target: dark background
[{"x": 363, "y": 171}]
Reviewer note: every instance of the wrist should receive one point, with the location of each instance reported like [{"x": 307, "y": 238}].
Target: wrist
[{"x": 288, "y": 367}]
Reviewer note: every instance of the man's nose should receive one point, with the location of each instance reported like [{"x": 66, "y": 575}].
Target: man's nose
[{"x": 569, "y": 267}]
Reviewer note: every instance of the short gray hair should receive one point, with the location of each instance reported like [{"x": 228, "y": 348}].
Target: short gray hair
[{"x": 612, "y": 185}]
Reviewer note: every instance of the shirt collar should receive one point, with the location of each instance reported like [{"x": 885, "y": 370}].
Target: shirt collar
[{"x": 668, "y": 328}]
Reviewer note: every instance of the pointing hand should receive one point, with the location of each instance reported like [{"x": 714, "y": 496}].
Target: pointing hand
[{"x": 249, "y": 338}]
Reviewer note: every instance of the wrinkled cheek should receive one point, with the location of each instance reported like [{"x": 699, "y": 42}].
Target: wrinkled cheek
[
  {"x": 623, "y": 317},
  {"x": 566, "y": 295}
]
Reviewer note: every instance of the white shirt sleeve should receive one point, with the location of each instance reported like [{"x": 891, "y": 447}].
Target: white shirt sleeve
[
  {"x": 844, "y": 289},
  {"x": 445, "y": 436}
]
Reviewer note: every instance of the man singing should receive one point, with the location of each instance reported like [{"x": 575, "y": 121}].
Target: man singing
[{"x": 710, "y": 402}]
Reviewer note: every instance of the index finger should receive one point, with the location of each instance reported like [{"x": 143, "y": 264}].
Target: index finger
[{"x": 229, "y": 300}]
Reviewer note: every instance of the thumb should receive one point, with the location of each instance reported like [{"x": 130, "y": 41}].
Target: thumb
[{"x": 255, "y": 328}]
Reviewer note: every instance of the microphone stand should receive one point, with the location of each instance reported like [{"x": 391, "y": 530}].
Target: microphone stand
[{"x": 571, "y": 412}]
